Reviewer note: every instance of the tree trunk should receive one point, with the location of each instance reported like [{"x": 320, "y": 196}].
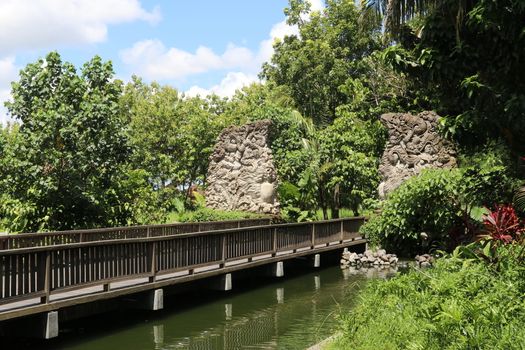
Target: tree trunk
[{"x": 336, "y": 202}]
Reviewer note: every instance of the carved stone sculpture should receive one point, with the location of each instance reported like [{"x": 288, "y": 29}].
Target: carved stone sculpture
[
  {"x": 413, "y": 144},
  {"x": 241, "y": 174}
]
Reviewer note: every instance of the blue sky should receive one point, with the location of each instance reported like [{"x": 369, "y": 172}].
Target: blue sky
[{"x": 197, "y": 46}]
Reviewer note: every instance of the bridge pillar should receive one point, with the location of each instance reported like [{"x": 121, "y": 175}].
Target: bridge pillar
[
  {"x": 223, "y": 283},
  {"x": 152, "y": 300},
  {"x": 277, "y": 269},
  {"x": 317, "y": 260},
  {"x": 50, "y": 325}
]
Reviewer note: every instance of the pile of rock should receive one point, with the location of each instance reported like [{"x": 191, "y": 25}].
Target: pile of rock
[
  {"x": 368, "y": 258},
  {"x": 425, "y": 260}
]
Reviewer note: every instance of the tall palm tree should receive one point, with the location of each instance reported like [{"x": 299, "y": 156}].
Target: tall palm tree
[{"x": 398, "y": 12}]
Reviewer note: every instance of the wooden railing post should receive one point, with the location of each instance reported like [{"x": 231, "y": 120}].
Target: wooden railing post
[
  {"x": 153, "y": 262},
  {"x": 148, "y": 233},
  {"x": 342, "y": 231},
  {"x": 313, "y": 235},
  {"x": 44, "y": 276},
  {"x": 274, "y": 241},
  {"x": 223, "y": 254}
]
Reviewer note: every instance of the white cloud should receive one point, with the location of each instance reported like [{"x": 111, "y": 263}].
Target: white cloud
[
  {"x": 152, "y": 60},
  {"x": 8, "y": 73},
  {"x": 30, "y": 24},
  {"x": 232, "y": 82}
]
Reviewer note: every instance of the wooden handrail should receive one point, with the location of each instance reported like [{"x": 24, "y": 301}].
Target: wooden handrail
[
  {"x": 27, "y": 273},
  {"x": 23, "y": 240}
]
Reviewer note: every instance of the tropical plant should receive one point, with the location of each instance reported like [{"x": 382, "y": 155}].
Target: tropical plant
[
  {"x": 502, "y": 225},
  {"x": 519, "y": 199},
  {"x": 460, "y": 303}
]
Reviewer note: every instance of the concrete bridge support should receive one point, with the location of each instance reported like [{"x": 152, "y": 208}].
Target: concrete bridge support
[
  {"x": 50, "y": 325},
  {"x": 153, "y": 300},
  {"x": 276, "y": 269},
  {"x": 317, "y": 260},
  {"x": 223, "y": 283}
]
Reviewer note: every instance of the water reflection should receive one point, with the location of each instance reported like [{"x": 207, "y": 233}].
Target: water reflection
[
  {"x": 294, "y": 323},
  {"x": 293, "y": 313}
]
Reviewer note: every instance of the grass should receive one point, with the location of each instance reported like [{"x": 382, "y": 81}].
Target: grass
[{"x": 458, "y": 304}]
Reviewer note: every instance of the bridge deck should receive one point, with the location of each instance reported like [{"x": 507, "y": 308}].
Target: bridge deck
[{"x": 40, "y": 279}]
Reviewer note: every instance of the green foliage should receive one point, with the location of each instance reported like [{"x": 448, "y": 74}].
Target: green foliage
[
  {"x": 207, "y": 214},
  {"x": 489, "y": 174},
  {"x": 61, "y": 166},
  {"x": 461, "y": 303},
  {"x": 424, "y": 203},
  {"x": 172, "y": 136},
  {"x": 287, "y": 131},
  {"x": 445, "y": 204},
  {"x": 349, "y": 150},
  {"x": 314, "y": 65},
  {"x": 469, "y": 56},
  {"x": 519, "y": 199}
]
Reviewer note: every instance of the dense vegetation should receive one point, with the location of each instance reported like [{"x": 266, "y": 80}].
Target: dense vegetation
[
  {"x": 88, "y": 151},
  {"x": 461, "y": 303}
]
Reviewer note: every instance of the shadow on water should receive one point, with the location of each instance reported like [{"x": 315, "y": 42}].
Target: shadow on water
[{"x": 260, "y": 313}]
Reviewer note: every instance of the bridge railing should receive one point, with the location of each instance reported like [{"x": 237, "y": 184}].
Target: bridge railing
[
  {"x": 27, "y": 273},
  {"x": 27, "y": 240}
]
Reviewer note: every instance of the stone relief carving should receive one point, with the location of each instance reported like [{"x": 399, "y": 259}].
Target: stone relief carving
[
  {"x": 413, "y": 144},
  {"x": 241, "y": 174}
]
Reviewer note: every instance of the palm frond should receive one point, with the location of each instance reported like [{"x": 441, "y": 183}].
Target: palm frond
[
  {"x": 519, "y": 199},
  {"x": 398, "y": 12}
]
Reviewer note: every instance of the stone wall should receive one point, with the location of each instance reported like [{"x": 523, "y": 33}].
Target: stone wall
[
  {"x": 241, "y": 174},
  {"x": 413, "y": 144}
]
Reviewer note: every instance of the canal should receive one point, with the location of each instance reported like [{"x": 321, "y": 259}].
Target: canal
[{"x": 260, "y": 313}]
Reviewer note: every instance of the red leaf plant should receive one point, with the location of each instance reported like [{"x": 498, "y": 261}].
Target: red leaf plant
[{"x": 502, "y": 224}]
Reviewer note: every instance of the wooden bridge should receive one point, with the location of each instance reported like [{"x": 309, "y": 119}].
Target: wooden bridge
[{"x": 45, "y": 272}]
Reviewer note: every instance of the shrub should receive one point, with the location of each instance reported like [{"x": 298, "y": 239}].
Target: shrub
[
  {"x": 458, "y": 304},
  {"x": 424, "y": 203}
]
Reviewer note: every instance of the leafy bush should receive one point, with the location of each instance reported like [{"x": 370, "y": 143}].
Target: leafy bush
[
  {"x": 424, "y": 203},
  {"x": 445, "y": 204},
  {"x": 458, "y": 304}
]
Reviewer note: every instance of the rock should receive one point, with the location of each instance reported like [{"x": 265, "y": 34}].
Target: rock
[
  {"x": 413, "y": 144},
  {"x": 368, "y": 253},
  {"x": 381, "y": 252},
  {"x": 425, "y": 264},
  {"x": 241, "y": 172}
]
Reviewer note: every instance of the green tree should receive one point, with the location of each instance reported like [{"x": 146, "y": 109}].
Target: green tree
[
  {"x": 349, "y": 158},
  {"x": 469, "y": 56},
  {"x": 314, "y": 65},
  {"x": 62, "y": 170},
  {"x": 172, "y": 135}
]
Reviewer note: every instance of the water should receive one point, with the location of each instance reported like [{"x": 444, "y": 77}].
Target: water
[{"x": 293, "y": 313}]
